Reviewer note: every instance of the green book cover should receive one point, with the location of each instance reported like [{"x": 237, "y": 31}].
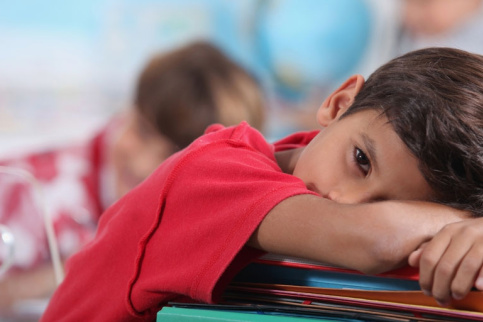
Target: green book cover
[{"x": 178, "y": 314}]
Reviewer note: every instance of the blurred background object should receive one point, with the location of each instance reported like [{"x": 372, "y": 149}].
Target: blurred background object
[
  {"x": 67, "y": 67},
  {"x": 311, "y": 43},
  {"x": 7, "y": 247},
  {"x": 447, "y": 23},
  {"x": 304, "y": 49}
]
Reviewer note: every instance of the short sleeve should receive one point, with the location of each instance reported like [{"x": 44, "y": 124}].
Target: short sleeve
[{"x": 215, "y": 199}]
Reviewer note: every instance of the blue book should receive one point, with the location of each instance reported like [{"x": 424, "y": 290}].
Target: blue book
[{"x": 272, "y": 269}]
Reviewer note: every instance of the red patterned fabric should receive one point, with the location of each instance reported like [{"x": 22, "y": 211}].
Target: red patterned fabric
[{"x": 69, "y": 179}]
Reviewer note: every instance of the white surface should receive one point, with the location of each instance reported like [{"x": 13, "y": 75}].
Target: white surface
[{"x": 25, "y": 141}]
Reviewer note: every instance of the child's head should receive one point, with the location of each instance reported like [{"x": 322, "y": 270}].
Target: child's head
[
  {"x": 433, "y": 99},
  {"x": 178, "y": 95},
  {"x": 184, "y": 91},
  {"x": 432, "y": 18}
]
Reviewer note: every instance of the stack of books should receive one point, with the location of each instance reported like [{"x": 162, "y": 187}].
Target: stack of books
[{"x": 291, "y": 289}]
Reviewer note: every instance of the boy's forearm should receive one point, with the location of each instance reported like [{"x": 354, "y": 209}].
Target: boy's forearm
[
  {"x": 37, "y": 283},
  {"x": 332, "y": 233},
  {"x": 371, "y": 237}
]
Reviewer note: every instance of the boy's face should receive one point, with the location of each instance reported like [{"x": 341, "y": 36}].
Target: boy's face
[
  {"x": 137, "y": 152},
  {"x": 360, "y": 158}
]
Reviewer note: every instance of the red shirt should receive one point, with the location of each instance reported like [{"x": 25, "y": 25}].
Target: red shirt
[
  {"x": 181, "y": 234},
  {"x": 69, "y": 181}
]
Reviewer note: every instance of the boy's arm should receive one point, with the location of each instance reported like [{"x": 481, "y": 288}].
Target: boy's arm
[
  {"x": 452, "y": 262},
  {"x": 371, "y": 237},
  {"x": 33, "y": 284}
]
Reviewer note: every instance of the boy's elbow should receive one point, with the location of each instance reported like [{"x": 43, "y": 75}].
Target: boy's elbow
[
  {"x": 383, "y": 257},
  {"x": 379, "y": 266}
]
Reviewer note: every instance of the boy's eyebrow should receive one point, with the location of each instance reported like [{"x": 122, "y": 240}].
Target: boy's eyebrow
[{"x": 371, "y": 148}]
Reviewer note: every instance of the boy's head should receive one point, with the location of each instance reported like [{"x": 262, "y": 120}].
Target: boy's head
[
  {"x": 178, "y": 95},
  {"x": 433, "y": 100},
  {"x": 185, "y": 90}
]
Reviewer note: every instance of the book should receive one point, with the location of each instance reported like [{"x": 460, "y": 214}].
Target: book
[
  {"x": 186, "y": 312},
  {"x": 293, "y": 282},
  {"x": 293, "y": 271},
  {"x": 293, "y": 289},
  {"x": 257, "y": 312}
]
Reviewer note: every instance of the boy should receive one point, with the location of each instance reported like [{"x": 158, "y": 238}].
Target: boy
[{"x": 362, "y": 193}]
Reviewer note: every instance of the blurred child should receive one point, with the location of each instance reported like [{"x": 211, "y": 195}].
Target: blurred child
[
  {"x": 178, "y": 95},
  {"x": 398, "y": 159},
  {"x": 447, "y": 23}
]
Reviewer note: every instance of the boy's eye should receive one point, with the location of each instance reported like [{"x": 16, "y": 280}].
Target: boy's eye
[{"x": 362, "y": 160}]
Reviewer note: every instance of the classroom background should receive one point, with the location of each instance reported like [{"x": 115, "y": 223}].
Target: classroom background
[{"x": 67, "y": 67}]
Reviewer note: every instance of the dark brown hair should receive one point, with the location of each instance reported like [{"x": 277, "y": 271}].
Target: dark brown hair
[
  {"x": 433, "y": 98},
  {"x": 183, "y": 91}
]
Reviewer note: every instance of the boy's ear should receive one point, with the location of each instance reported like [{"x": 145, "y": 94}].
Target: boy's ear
[{"x": 339, "y": 101}]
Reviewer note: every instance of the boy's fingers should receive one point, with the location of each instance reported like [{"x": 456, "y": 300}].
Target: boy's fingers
[
  {"x": 414, "y": 257},
  {"x": 479, "y": 280},
  {"x": 445, "y": 271},
  {"x": 441, "y": 259},
  {"x": 433, "y": 253},
  {"x": 429, "y": 259},
  {"x": 468, "y": 271},
  {"x": 456, "y": 270}
]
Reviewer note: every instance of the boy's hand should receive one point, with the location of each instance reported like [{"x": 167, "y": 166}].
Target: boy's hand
[{"x": 452, "y": 262}]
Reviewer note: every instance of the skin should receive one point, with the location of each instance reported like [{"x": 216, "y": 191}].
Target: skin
[
  {"x": 452, "y": 262},
  {"x": 137, "y": 152},
  {"x": 37, "y": 283},
  {"x": 371, "y": 213},
  {"x": 434, "y": 17},
  {"x": 338, "y": 166}
]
